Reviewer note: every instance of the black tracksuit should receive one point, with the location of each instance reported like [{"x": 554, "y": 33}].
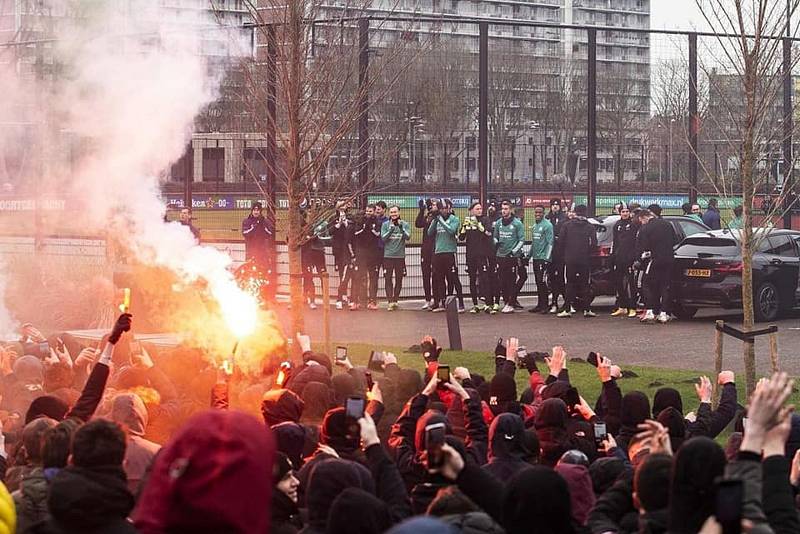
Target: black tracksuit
[
  {"x": 366, "y": 262},
  {"x": 479, "y": 249},
  {"x": 426, "y": 251},
  {"x": 623, "y": 254},
  {"x": 577, "y": 240},
  {"x": 555, "y": 271},
  {"x": 342, "y": 255},
  {"x": 658, "y": 238}
]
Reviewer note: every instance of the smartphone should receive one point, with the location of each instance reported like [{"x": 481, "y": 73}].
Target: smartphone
[
  {"x": 354, "y": 407},
  {"x": 376, "y": 360},
  {"x": 729, "y": 505},
  {"x": 600, "y": 432},
  {"x": 522, "y": 352},
  {"x": 593, "y": 359},
  {"x": 443, "y": 373},
  {"x": 341, "y": 354},
  {"x": 434, "y": 439},
  {"x": 370, "y": 381}
]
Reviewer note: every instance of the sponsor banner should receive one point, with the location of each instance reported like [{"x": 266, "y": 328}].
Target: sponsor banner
[
  {"x": 544, "y": 199},
  {"x": 412, "y": 201},
  {"x": 722, "y": 202},
  {"x": 665, "y": 201},
  {"x": 30, "y": 204}
]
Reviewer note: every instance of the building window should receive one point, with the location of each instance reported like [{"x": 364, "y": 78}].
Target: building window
[
  {"x": 183, "y": 169},
  {"x": 255, "y": 164},
  {"x": 213, "y": 164}
]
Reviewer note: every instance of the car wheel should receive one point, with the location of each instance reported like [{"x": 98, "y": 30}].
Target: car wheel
[
  {"x": 684, "y": 313},
  {"x": 766, "y": 302}
]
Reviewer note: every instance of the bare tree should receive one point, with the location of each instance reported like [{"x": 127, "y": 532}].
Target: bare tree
[
  {"x": 619, "y": 120},
  {"x": 751, "y": 64},
  {"x": 321, "y": 94}
]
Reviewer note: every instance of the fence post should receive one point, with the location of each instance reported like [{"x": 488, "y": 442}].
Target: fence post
[
  {"x": 773, "y": 351},
  {"x": 718, "y": 341},
  {"x": 788, "y": 161},
  {"x": 694, "y": 119},
  {"x": 363, "y": 108},
  {"x": 591, "y": 127},
  {"x": 483, "y": 111},
  {"x": 326, "y": 311}
]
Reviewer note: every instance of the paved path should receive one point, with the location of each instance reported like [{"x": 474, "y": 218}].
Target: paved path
[{"x": 679, "y": 344}]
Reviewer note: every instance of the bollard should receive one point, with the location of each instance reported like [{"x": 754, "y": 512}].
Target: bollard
[{"x": 453, "y": 327}]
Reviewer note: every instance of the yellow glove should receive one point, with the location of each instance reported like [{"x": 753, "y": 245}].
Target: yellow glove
[{"x": 8, "y": 515}]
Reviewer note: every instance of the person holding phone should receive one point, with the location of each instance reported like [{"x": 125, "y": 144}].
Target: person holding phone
[
  {"x": 395, "y": 232},
  {"x": 427, "y": 212},
  {"x": 339, "y": 230}
]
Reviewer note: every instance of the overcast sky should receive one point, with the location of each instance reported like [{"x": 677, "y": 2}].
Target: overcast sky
[{"x": 675, "y": 15}]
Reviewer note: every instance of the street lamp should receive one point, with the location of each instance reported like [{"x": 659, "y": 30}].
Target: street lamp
[{"x": 413, "y": 123}]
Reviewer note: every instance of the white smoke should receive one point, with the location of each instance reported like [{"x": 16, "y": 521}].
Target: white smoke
[
  {"x": 132, "y": 84},
  {"x": 8, "y": 326}
]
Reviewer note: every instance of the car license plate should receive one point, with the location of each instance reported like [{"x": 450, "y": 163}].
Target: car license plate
[{"x": 699, "y": 273}]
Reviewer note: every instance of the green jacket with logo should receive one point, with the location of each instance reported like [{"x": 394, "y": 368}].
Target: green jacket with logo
[
  {"x": 542, "y": 241},
  {"x": 509, "y": 238},
  {"x": 445, "y": 231},
  {"x": 394, "y": 237}
]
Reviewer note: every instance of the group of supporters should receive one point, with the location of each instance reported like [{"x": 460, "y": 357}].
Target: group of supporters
[
  {"x": 563, "y": 242},
  {"x": 119, "y": 439}
]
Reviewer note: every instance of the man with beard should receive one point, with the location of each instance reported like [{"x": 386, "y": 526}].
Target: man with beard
[
  {"x": 509, "y": 238},
  {"x": 445, "y": 270},
  {"x": 623, "y": 254},
  {"x": 578, "y": 239},
  {"x": 394, "y": 234},
  {"x": 555, "y": 274},
  {"x": 476, "y": 232}
]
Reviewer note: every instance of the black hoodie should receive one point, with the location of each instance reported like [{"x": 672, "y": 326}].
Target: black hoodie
[
  {"x": 506, "y": 447},
  {"x": 89, "y": 500},
  {"x": 697, "y": 464},
  {"x": 576, "y": 242}
]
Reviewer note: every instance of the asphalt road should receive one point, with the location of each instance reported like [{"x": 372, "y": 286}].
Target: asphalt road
[{"x": 678, "y": 344}]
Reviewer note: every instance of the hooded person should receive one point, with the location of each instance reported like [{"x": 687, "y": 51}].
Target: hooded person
[
  {"x": 215, "y": 475},
  {"x": 503, "y": 395},
  {"x": 282, "y": 410},
  {"x": 316, "y": 401},
  {"x": 356, "y": 511},
  {"x": 581, "y": 492},
  {"x": 343, "y": 385},
  {"x": 692, "y": 499},
  {"x": 706, "y": 422},
  {"x": 674, "y": 422},
  {"x": 281, "y": 405},
  {"x": 327, "y": 480},
  {"x": 46, "y": 406},
  {"x": 651, "y": 491},
  {"x": 507, "y": 449},
  {"x": 537, "y": 500},
  {"x": 91, "y": 494},
  {"x": 635, "y": 411},
  {"x": 285, "y": 512},
  {"x": 554, "y": 438},
  {"x": 128, "y": 410},
  {"x": 604, "y": 472},
  {"x": 317, "y": 368},
  {"x": 24, "y": 385},
  {"x": 458, "y": 510}
]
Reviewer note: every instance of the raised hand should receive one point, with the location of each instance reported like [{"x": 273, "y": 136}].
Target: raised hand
[{"x": 123, "y": 324}]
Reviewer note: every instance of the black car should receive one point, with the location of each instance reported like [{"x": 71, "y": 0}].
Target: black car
[
  {"x": 602, "y": 273},
  {"x": 708, "y": 272}
]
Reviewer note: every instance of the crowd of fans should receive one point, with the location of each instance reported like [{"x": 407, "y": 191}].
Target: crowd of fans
[{"x": 121, "y": 439}]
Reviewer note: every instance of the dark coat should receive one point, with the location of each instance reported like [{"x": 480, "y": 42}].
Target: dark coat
[{"x": 576, "y": 242}]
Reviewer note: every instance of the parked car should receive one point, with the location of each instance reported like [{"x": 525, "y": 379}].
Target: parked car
[
  {"x": 708, "y": 272},
  {"x": 602, "y": 274}
]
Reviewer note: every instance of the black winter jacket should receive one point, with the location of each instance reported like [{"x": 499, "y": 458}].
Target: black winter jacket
[{"x": 576, "y": 242}]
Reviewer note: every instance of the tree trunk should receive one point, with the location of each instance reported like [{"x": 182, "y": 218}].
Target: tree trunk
[
  {"x": 294, "y": 184},
  {"x": 747, "y": 169}
]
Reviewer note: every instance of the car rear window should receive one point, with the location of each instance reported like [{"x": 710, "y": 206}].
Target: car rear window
[
  {"x": 605, "y": 235},
  {"x": 707, "y": 247}
]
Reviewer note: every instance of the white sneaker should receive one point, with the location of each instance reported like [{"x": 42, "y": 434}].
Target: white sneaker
[
  {"x": 663, "y": 318},
  {"x": 339, "y": 305},
  {"x": 572, "y": 309},
  {"x": 312, "y": 305},
  {"x": 648, "y": 317},
  {"x": 553, "y": 309},
  {"x": 426, "y": 306},
  {"x": 507, "y": 309}
]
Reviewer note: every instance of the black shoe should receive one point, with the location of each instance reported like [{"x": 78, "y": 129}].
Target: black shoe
[{"x": 517, "y": 306}]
